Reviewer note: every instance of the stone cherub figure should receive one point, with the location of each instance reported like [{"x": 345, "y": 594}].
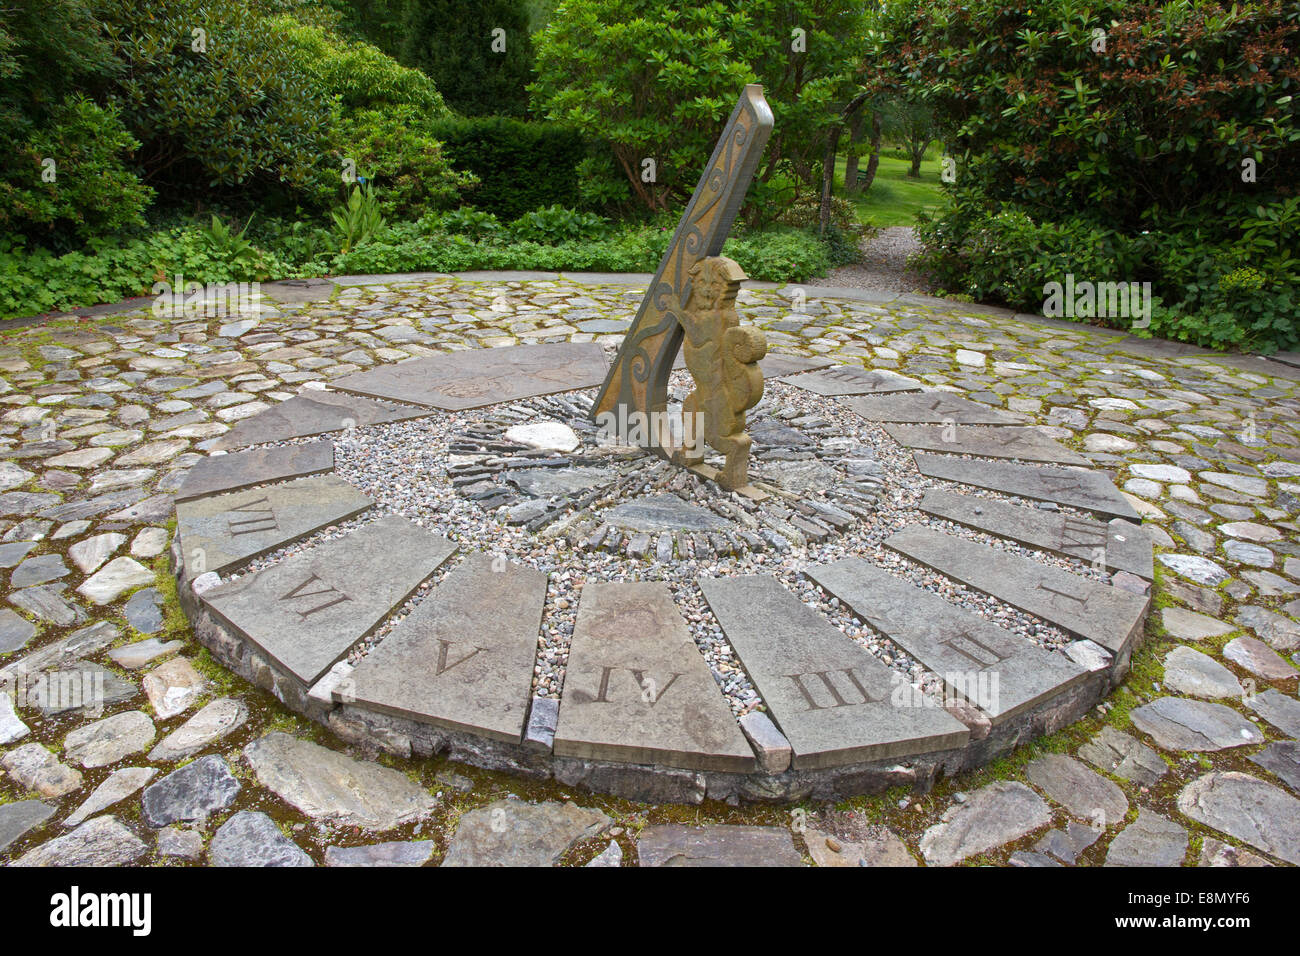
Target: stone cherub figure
[{"x": 722, "y": 356}]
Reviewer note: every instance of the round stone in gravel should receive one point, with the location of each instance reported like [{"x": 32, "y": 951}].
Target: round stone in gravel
[
  {"x": 545, "y": 436},
  {"x": 1247, "y": 808},
  {"x": 1150, "y": 840},
  {"x": 252, "y": 839},
  {"x": 191, "y": 793},
  {"x": 1177, "y": 723},
  {"x": 109, "y": 740},
  {"x": 1188, "y": 671}
]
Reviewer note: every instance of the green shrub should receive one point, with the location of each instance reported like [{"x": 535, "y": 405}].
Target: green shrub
[
  {"x": 556, "y": 224},
  {"x": 93, "y": 192},
  {"x": 521, "y": 166},
  {"x": 394, "y": 149},
  {"x": 358, "y": 220}
]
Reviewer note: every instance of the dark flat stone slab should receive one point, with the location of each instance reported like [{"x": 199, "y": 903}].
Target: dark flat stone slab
[
  {"x": 637, "y": 689},
  {"x": 665, "y": 512},
  {"x": 937, "y": 408},
  {"x": 1101, "y": 613},
  {"x": 716, "y": 845},
  {"x": 834, "y": 702},
  {"x": 779, "y": 365},
  {"x": 1282, "y": 760},
  {"x": 315, "y": 413},
  {"x": 473, "y": 378},
  {"x": 1000, "y": 441},
  {"x": 243, "y": 469},
  {"x": 1119, "y": 545},
  {"x": 463, "y": 659},
  {"x": 20, "y": 817},
  {"x": 1077, "y": 487},
  {"x": 992, "y": 667},
  {"x": 849, "y": 380},
  {"x": 223, "y": 531},
  {"x": 305, "y": 612}
]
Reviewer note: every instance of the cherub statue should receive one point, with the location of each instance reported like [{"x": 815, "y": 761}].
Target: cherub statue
[{"x": 722, "y": 356}]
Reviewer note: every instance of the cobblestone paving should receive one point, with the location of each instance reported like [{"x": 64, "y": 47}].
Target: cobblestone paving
[{"x": 1191, "y": 762}]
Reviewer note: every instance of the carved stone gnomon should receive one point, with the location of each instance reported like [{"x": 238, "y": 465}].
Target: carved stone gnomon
[{"x": 635, "y": 392}]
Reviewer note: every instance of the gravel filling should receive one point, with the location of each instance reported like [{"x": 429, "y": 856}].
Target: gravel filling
[{"x": 403, "y": 467}]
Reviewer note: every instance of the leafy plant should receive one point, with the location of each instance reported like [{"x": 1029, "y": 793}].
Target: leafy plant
[
  {"x": 472, "y": 223},
  {"x": 233, "y": 250},
  {"x": 555, "y": 224},
  {"x": 357, "y": 220}
]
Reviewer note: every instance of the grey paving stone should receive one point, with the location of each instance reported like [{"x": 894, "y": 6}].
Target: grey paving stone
[
  {"x": 15, "y": 631},
  {"x": 881, "y": 847},
  {"x": 181, "y": 844},
  {"x": 1247, "y": 808},
  {"x": 1177, "y": 723},
  {"x": 190, "y": 793},
  {"x": 11, "y": 728},
  {"x": 1066, "y": 845},
  {"x": 1278, "y": 709},
  {"x": 1122, "y": 755},
  {"x": 637, "y": 689},
  {"x": 1282, "y": 759},
  {"x": 1190, "y": 626},
  {"x": 307, "y": 611},
  {"x": 84, "y": 687},
  {"x": 1119, "y": 545},
  {"x": 85, "y": 642},
  {"x": 119, "y": 785},
  {"x": 477, "y": 377},
  {"x": 137, "y": 655},
  {"x": 1190, "y": 672},
  {"x": 849, "y": 380},
  {"x": 225, "y": 531},
  {"x": 832, "y": 700},
  {"x": 100, "y": 842},
  {"x": 242, "y": 469},
  {"x": 38, "y": 570},
  {"x": 215, "y": 721},
  {"x": 463, "y": 659},
  {"x": 612, "y": 855},
  {"x": 1026, "y": 443},
  {"x": 46, "y": 602},
  {"x": 992, "y": 667},
  {"x": 109, "y": 740},
  {"x": 252, "y": 839},
  {"x": 1084, "y": 793},
  {"x": 1077, "y": 487},
  {"x": 314, "y": 413},
  {"x": 399, "y": 853},
  {"x": 330, "y": 786},
  {"x": 991, "y": 817},
  {"x": 1217, "y": 853},
  {"x": 551, "y": 482},
  {"x": 1150, "y": 840},
  {"x": 933, "y": 408},
  {"x": 716, "y": 845},
  {"x": 778, "y": 365},
  {"x": 1258, "y": 658},
  {"x": 664, "y": 512},
  {"x": 1270, "y": 627},
  {"x": 21, "y": 817},
  {"x": 39, "y": 770},
  {"x": 514, "y": 833},
  {"x": 14, "y": 552},
  {"x": 144, "y": 611},
  {"x": 1107, "y": 615}
]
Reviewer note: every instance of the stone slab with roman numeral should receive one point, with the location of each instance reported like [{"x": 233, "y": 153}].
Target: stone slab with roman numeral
[
  {"x": 473, "y": 378},
  {"x": 993, "y": 668},
  {"x": 307, "y": 611},
  {"x": 1083, "y": 607},
  {"x": 1077, "y": 487},
  {"x": 1000, "y": 441},
  {"x": 834, "y": 702},
  {"x": 224, "y": 531},
  {"x": 257, "y": 466},
  {"x": 850, "y": 380},
  {"x": 314, "y": 413},
  {"x": 637, "y": 690},
  {"x": 922, "y": 408},
  {"x": 463, "y": 659},
  {"x": 1116, "y": 546}
]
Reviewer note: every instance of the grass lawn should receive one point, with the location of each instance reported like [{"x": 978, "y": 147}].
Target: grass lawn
[{"x": 893, "y": 199}]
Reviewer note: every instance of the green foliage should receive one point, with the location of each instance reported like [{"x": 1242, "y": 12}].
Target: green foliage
[
  {"x": 238, "y": 254},
  {"x": 1120, "y": 164},
  {"x": 657, "y": 81},
  {"x": 358, "y": 220},
  {"x": 453, "y": 42},
  {"x": 395, "y": 149},
  {"x": 240, "y": 113},
  {"x": 361, "y": 75},
  {"x": 473, "y": 223},
  {"x": 521, "y": 166},
  {"x": 93, "y": 192},
  {"x": 555, "y": 225}
]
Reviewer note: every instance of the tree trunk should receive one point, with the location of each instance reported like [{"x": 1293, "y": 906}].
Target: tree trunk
[
  {"x": 873, "y": 162},
  {"x": 828, "y": 160},
  {"x": 851, "y": 161}
]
